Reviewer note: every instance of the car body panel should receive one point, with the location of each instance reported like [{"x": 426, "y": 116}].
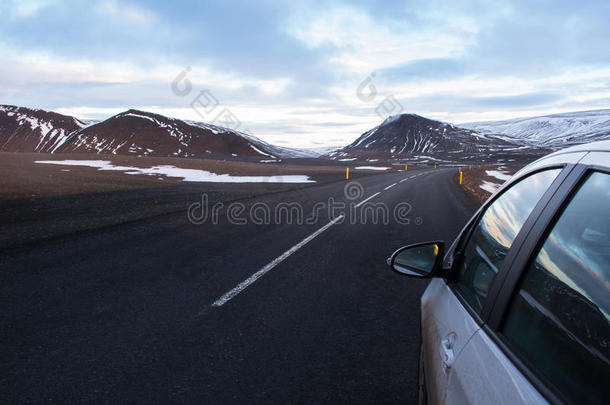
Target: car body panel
[
  {"x": 446, "y": 328},
  {"x": 499, "y": 382}
]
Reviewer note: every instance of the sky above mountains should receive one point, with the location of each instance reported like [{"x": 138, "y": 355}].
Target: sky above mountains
[{"x": 306, "y": 74}]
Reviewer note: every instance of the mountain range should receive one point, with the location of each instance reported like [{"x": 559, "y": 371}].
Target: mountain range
[
  {"x": 551, "y": 131},
  {"x": 132, "y": 132},
  {"x": 419, "y": 138},
  {"x": 405, "y": 136}
]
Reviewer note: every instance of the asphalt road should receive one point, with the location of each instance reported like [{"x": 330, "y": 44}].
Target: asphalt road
[{"x": 163, "y": 310}]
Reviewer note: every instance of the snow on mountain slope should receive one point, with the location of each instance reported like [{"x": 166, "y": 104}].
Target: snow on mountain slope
[
  {"x": 130, "y": 132},
  {"x": 413, "y": 136},
  {"x": 25, "y": 129},
  {"x": 551, "y": 131},
  {"x": 324, "y": 150},
  {"x": 279, "y": 151},
  {"x": 142, "y": 133}
]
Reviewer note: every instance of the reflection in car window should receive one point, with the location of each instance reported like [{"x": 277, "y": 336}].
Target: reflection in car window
[
  {"x": 559, "y": 319},
  {"x": 493, "y": 236}
]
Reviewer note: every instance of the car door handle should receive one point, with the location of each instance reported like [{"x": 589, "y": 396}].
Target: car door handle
[{"x": 447, "y": 353}]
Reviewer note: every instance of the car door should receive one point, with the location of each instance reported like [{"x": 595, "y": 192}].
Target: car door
[
  {"x": 551, "y": 338},
  {"x": 452, "y": 311}
]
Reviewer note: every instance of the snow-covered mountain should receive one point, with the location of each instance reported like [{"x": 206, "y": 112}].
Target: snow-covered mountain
[
  {"x": 413, "y": 136},
  {"x": 407, "y": 136},
  {"x": 132, "y": 132},
  {"x": 551, "y": 131},
  {"x": 30, "y": 130},
  {"x": 143, "y": 133}
]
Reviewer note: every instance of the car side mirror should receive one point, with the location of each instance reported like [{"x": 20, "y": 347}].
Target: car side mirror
[{"x": 421, "y": 260}]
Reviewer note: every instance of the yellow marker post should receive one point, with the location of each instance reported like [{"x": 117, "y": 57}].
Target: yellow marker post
[
  {"x": 435, "y": 166},
  {"x": 405, "y": 168},
  {"x": 347, "y": 173},
  {"x": 461, "y": 177}
]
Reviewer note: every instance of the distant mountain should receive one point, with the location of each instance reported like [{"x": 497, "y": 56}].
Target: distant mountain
[
  {"x": 415, "y": 137},
  {"x": 132, "y": 132},
  {"x": 323, "y": 150},
  {"x": 551, "y": 131},
  {"x": 405, "y": 136},
  {"x": 29, "y": 130},
  {"x": 135, "y": 132}
]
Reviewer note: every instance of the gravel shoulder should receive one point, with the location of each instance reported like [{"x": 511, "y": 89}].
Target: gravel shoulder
[
  {"x": 481, "y": 182},
  {"x": 43, "y": 201}
]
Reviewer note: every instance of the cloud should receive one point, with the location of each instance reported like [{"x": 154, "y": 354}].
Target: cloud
[
  {"x": 432, "y": 68},
  {"x": 126, "y": 13},
  {"x": 20, "y": 10},
  {"x": 518, "y": 100},
  {"x": 290, "y": 70},
  {"x": 363, "y": 44}
]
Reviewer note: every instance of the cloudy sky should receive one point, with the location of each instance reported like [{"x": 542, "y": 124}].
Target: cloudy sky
[{"x": 310, "y": 73}]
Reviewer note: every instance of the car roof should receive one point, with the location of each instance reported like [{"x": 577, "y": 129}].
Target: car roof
[
  {"x": 567, "y": 155},
  {"x": 573, "y": 154},
  {"x": 599, "y": 146}
]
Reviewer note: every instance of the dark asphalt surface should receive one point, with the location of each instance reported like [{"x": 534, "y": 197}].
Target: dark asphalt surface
[{"x": 123, "y": 314}]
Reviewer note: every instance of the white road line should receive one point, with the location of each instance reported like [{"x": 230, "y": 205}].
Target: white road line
[
  {"x": 389, "y": 187},
  {"x": 363, "y": 201},
  {"x": 246, "y": 283},
  {"x": 403, "y": 180}
]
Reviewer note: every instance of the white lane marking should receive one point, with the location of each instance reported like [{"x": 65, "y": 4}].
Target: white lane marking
[
  {"x": 246, "y": 283},
  {"x": 363, "y": 201},
  {"x": 403, "y": 180},
  {"x": 389, "y": 187}
]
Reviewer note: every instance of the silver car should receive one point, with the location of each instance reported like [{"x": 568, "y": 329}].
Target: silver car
[{"x": 518, "y": 309}]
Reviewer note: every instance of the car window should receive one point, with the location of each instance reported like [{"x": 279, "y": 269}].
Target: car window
[
  {"x": 559, "y": 318},
  {"x": 489, "y": 242}
]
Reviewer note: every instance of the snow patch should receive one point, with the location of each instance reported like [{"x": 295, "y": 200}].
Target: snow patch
[
  {"x": 371, "y": 168},
  {"x": 190, "y": 175},
  {"x": 261, "y": 152},
  {"x": 489, "y": 186},
  {"x": 141, "y": 116},
  {"x": 390, "y": 120},
  {"x": 498, "y": 174}
]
